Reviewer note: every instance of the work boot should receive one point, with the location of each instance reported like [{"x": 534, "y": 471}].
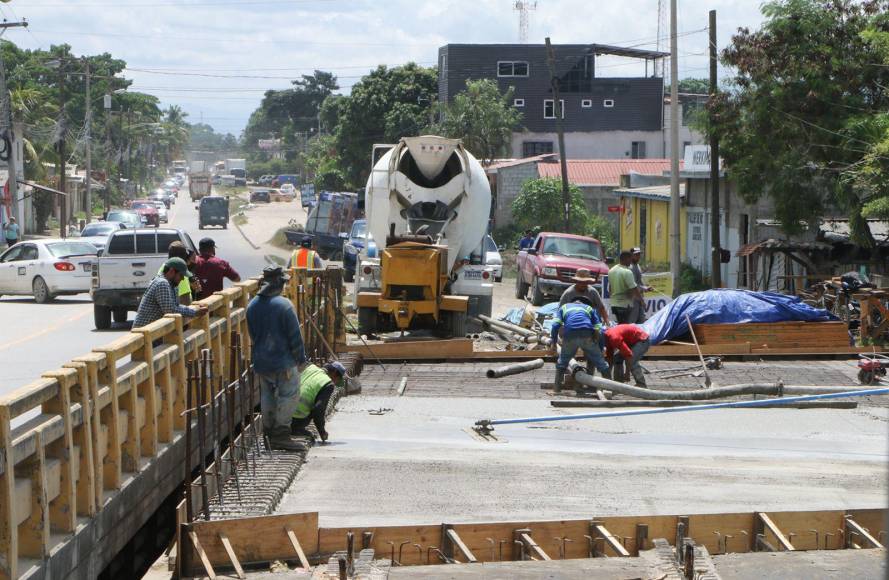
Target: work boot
[
  {"x": 302, "y": 433},
  {"x": 607, "y": 374},
  {"x": 639, "y": 378},
  {"x": 281, "y": 440},
  {"x": 560, "y": 380}
]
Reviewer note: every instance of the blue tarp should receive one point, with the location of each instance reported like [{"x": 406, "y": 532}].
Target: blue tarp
[{"x": 729, "y": 306}]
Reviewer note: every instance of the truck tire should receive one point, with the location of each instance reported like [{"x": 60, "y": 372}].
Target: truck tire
[
  {"x": 537, "y": 297},
  {"x": 457, "y": 324},
  {"x": 521, "y": 289},
  {"x": 367, "y": 320},
  {"x": 102, "y": 317},
  {"x": 120, "y": 314}
]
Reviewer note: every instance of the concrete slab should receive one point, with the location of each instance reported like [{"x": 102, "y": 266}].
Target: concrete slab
[{"x": 415, "y": 464}]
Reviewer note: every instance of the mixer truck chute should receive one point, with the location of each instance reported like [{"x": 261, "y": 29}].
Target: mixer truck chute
[{"x": 428, "y": 199}]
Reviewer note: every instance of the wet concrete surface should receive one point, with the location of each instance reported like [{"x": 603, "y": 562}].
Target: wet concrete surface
[{"x": 415, "y": 463}]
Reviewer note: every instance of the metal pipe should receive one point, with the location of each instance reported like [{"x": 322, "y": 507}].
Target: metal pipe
[
  {"x": 514, "y": 369},
  {"x": 508, "y": 326},
  {"x": 734, "y": 404},
  {"x": 773, "y": 389}
]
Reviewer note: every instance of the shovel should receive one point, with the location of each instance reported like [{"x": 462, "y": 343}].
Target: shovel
[{"x": 707, "y": 382}]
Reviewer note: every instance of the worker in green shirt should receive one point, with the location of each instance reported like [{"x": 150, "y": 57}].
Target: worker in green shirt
[
  {"x": 623, "y": 289},
  {"x": 188, "y": 286},
  {"x": 316, "y": 386}
]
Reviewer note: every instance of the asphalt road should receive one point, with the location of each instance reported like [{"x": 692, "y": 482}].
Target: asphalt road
[{"x": 38, "y": 338}]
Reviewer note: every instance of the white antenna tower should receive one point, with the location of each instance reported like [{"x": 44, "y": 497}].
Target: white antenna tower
[
  {"x": 662, "y": 33},
  {"x": 523, "y": 7}
]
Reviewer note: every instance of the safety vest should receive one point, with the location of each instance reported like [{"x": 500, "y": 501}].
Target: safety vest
[
  {"x": 302, "y": 258},
  {"x": 311, "y": 381}
]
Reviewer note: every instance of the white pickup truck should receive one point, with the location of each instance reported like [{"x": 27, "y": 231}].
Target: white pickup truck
[{"x": 125, "y": 268}]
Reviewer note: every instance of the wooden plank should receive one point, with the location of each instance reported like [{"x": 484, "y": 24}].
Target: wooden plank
[
  {"x": 600, "y": 531},
  {"x": 303, "y": 561},
  {"x": 772, "y": 530},
  {"x": 809, "y": 530},
  {"x": 231, "y": 555},
  {"x": 8, "y": 527},
  {"x": 411, "y": 350},
  {"x": 255, "y": 539},
  {"x": 710, "y": 530},
  {"x": 331, "y": 540},
  {"x": 458, "y": 543},
  {"x": 484, "y": 539},
  {"x": 196, "y": 545},
  {"x": 872, "y": 520},
  {"x": 536, "y": 551},
  {"x": 852, "y": 527}
]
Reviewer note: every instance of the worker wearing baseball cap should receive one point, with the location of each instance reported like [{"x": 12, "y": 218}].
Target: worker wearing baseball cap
[
  {"x": 637, "y": 312},
  {"x": 160, "y": 297},
  {"x": 316, "y": 387},
  {"x": 211, "y": 270}
]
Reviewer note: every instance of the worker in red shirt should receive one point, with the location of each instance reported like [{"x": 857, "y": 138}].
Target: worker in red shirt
[
  {"x": 627, "y": 343},
  {"x": 212, "y": 271}
]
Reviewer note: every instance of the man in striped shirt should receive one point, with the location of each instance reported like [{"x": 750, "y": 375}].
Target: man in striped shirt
[{"x": 161, "y": 297}]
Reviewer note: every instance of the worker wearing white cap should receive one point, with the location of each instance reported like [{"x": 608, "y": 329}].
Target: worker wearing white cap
[{"x": 637, "y": 312}]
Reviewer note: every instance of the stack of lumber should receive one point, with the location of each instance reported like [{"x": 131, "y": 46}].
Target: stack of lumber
[{"x": 777, "y": 335}]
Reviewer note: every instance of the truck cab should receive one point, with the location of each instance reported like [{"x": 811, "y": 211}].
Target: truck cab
[{"x": 546, "y": 268}]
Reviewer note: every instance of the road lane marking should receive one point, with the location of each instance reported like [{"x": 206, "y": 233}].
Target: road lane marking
[{"x": 46, "y": 330}]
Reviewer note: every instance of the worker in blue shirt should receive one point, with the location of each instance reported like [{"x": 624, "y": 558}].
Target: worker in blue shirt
[
  {"x": 579, "y": 325},
  {"x": 527, "y": 240}
]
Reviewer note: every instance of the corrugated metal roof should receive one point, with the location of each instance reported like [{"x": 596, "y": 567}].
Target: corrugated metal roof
[
  {"x": 594, "y": 172},
  {"x": 501, "y": 163},
  {"x": 658, "y": 192}
]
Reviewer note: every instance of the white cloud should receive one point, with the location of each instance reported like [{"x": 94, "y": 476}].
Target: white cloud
[{"x": 256, "y": 37}]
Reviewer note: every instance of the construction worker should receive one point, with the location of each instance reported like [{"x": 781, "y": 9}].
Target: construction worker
[
  {"x": 627, "y": 343},
  {"x": 316, "y": 386},
  {"x": 305, "y": 257},
  {"x": 278, "y": 357},
  {"x": 637, "y": 313},
  {"x": 579, "y": 326},
  {"x": 582, "y": 286},
  {"x": 624, "y": 291}
]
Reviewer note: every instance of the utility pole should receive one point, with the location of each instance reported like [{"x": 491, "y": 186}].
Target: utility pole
[
  {"x": 8, "y": 131},
  {"x": 715, "y": 242},
  {"x": 89, "y": 143},
  {"x": 557, "y": 109},
  {"x": 63, "y": 201},
  {"x": 675, "y": 252},
  {"x": 106, "y": 102}
]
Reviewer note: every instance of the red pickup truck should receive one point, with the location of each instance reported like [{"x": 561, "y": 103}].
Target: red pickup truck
[{"x": 547, "y": 266}]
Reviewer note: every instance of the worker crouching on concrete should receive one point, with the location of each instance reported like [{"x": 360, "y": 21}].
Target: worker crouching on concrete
[
  {"x": 627, "y": 344},
  {"x": 278, "y": 357},
  {"x": 316, "y": 387},
  {"x": 579, "y": 326}
]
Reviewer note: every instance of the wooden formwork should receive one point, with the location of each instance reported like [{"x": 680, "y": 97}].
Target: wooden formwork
[
  {"x": 232, "y": 544},
  {"x": 97, "y": 421}
]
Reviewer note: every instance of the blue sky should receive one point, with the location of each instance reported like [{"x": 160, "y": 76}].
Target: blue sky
[{"x": 215, "y": 58}]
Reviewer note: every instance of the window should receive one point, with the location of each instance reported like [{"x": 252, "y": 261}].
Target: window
[
  {"x": 13, "y": 255},
  {"x": 586, "y": 103},
  {"x": 638, "y": 150},
  {"x": 30, "y": 252},
  {"x": 512, "y": 68},
  {"x": 444, "y": 65},
  {"x": 518, "y": 103},
  {"x": 65, "y": 249},
  {"x": 608, "y": 103},
  {"x": 549, "y": 108},
  {"x": 532, "y": 148}
]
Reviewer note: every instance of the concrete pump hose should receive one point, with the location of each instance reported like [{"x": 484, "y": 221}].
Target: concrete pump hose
[
  {"x": 514, "y": 369},
  {"x": 772, "y": 389}
]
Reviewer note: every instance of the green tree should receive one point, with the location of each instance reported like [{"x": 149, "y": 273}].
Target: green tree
[
  {"x": 384, "y": 106},
  {"x": 790, "y": 125},
  {"x": 539, "y": 204},
  {"x": 483, "y": 118},
  {"x": 871, "y": 176}
]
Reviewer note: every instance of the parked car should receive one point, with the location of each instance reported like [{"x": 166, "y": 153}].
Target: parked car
[
  {"x": 125, "y": 269},
  {"x": 546, "y": 268},
  {"x": 161, "y": 196},
  {"x": 353, "y": 243},
  {"x": 128, "y": 217},
  {"x": 47, "y": 268},
  {"x": 493, "y": 258},
  {"x": 97, "y": 233},
  {"x": 161, "y": 211},
  {"x": 213, "y": 211},
  {"x": 265, "y": 180},
  {"x": 146, "y": 209},
  {"x": 260, "y": 196},
  {"x": 216, "y": 179}
]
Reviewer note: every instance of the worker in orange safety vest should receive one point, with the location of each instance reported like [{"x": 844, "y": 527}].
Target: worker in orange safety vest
[{"x": 305, "y": 257}]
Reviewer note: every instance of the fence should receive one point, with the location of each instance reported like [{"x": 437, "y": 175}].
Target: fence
[{"x": 83, "y": 430}]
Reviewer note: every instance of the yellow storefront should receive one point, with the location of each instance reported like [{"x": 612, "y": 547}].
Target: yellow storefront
[{"x": 645, "y": 221}]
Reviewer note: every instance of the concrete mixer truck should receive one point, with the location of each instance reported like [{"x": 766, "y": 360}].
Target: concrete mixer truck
[{"x": 427, "y": 202}]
